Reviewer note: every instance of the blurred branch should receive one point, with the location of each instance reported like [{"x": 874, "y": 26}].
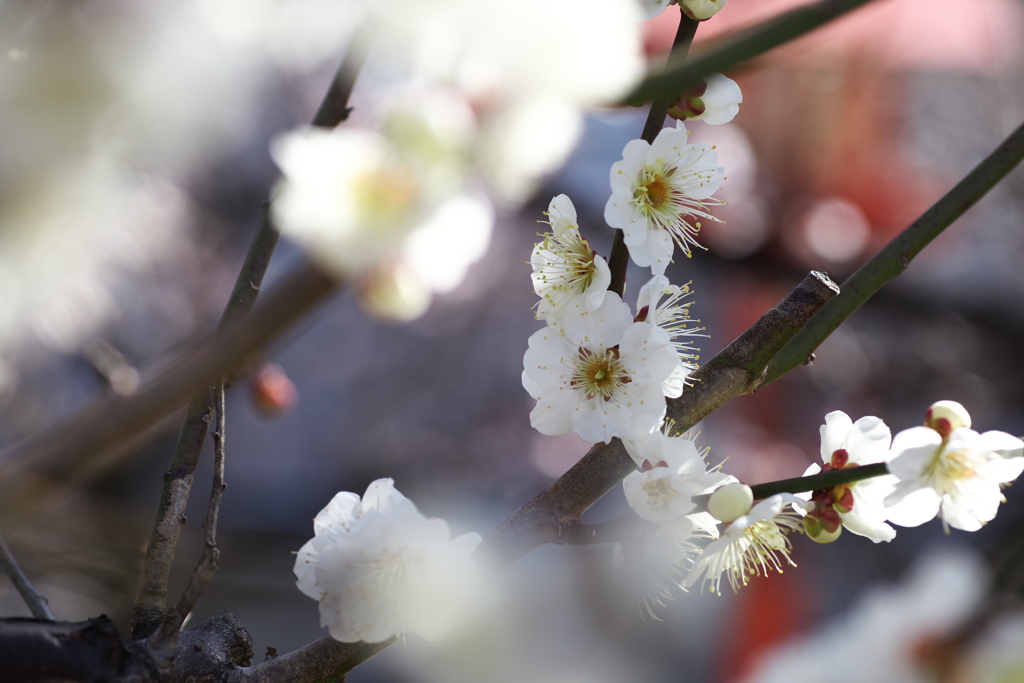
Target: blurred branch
[
  {"x": 164, "y": 640},
  {"x": 151, "y": 594},
  {"x": 618, "y": 260},
  {"x": 35, "y": 601},
  {"x": 746, "y": 44},
  {"x": 78, "y": 446},
  {"x": 897, "y": 255},
  {"x": 737, "y": 370}
]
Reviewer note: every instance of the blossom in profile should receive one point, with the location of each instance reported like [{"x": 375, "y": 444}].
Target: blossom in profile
[
  {"x": 860, "y": 506},
  {"x": 672, "y": 471},
  {"x": 673, "y": 316},
  {"x": 568, "y": 275},
  {"x": 657, "y": 191},
  {"x": 715, "y": 100},
  {"x": 380, "y": 569},
  {"x": 957, "y": 477},
  {"x": 749, "y": 546},
  {"x": 599, "y": 373}
]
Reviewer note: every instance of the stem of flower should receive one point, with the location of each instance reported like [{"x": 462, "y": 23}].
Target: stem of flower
[
  {"x": 618, "y": 260},
  {"x": 897, "y": 255},
  {"x": 824, "y": 480}
]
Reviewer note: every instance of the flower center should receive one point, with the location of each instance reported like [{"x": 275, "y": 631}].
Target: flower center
[
  {"x": 659, "y": 494},
  {"x": 599, "y": 374},
  {"x": 952, "y": 467}
]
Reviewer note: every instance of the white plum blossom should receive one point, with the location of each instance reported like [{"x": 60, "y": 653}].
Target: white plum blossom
[
  {"x": 715, "y": 101},
  {"x": 673, "y": 471},
  {"x": 749, "y": 546},
  {"x": 656, "y": 188},
  {"x": 654, "y": 563},
  {"x": 957, "y": 477},
  {"x": 673, "y": 316},
  {"x": 652, "y": 8},
  {"x": 598, "y": 373},
  {"x": 348, "y": 196},
  {"x": 845, "y": 443},
  {"x": 526, "y": 72},
  {"x": 701, "y": 9},
  {"x": 568, "y": 275},
  {"x": 380, "y": 569}
]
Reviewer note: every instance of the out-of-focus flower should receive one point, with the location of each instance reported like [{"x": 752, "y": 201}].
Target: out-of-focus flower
[
  {"x": 434, "y": 259},
  {"x": 957, "y": 477},
  {"x": 945, "y": 416},
  {"x": 701, "y": 9},
  {"x": 568, "y": 275},
  {"x": 672, "y": 471},
  {"x": 349, "y": 196},
  {"x": 526, "y": 72},
  {"x": 598, "y": 373},
  {"x": 886, "y": 637},
  {"x": 714, "y": 101},
  {"x": 656, "y": 188},
  {"x": 380, "y": 569},
  {"x": 654, "y": 563},
  {"x": 749, "y": 546},
  {"x": 652, "y": 8},
  {"x": 673, "y": 316},
  {"x": 860, "y": 505}
]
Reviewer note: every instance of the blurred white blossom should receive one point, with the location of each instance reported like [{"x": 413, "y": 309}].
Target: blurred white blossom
[{"x": 380, "y": 569}]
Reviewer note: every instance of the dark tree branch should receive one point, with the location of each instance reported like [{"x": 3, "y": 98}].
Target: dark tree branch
[{"x": 151, "y": 595}]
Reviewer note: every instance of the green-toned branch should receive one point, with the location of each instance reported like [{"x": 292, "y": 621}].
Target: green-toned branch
[
  {"x": 33, "y": 598},
  {"x": 824, "y": 480},
  {"x": 743, "y": 46},
  {"x": 898, "y": 254},
  {"x": 614, "y": 530},
  {"x": 738, "y": 370},
  {"x": 618, "y": 260},
  {"x": 151, "y": 594}
]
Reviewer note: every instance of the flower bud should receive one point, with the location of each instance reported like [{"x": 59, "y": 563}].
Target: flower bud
[
  {"x": 701, "y": 9},
  {"x": 816, "y": 531},
  {"x": 731, "y": 502},
  {"x": 945, "y": 416},
  {"x": 272, "y": 392}
]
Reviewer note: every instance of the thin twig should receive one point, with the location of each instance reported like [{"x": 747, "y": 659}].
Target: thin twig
[
  {"x": 897, "y": 255},
  {"x": 618, "y": 259},
  {"x": 165, "y": 638},
  {"x": 743, "y": 46},
  {"x": 151, "y": 594},
  {"x": 37, "y": 603}
]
